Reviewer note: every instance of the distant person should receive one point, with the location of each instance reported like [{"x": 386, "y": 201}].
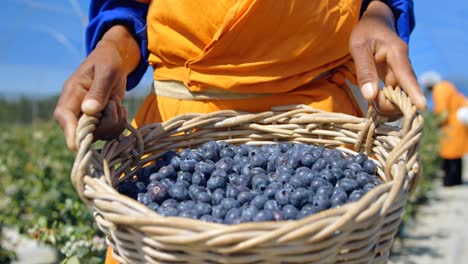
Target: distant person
[{"x": 451, "y": 107}]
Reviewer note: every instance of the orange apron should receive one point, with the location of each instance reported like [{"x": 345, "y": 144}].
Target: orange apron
[
  {"x": 454, "y": 136},
  {"x": 278, "y": 48}
]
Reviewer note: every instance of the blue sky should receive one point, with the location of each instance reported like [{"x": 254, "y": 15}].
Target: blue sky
[{"x": 41, "y": 43}]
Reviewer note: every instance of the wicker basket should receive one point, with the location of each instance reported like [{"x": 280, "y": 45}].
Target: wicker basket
[{"x": 360, "y": 232}]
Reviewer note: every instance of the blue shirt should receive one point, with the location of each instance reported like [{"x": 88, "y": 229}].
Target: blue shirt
[{"x": 103, "y": 14}]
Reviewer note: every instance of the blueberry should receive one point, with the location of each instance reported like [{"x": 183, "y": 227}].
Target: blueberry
[
  {"x": 326, "y": 191},
  {"x": 167, "y": 182},
  {"x": 283, "y": 178},
  {"x": 225, "y": 164},
  {"x": 232, "y": 191},
  {"x": 157, "y": 191},
  {"x": 317, "y": 182},
  {"x": 284, "y": 146},
  {"x": 282, "y": 196},
  {"x": 317, "y": 152},
  {"x": 321, "y": 203},
  {"x": 198, "y": 178},
  {"x": 308, "y": 160},
  {"x": 245, "y": 197},
  {"x": 350, "y": 174},
  {"x": 216, "y": 182},
  {"x": 233, "y": 216},
  {"x": 227, "y": 153},
  {"x": 263, "y": 215},
  {"x": 179, "y": 192},
  {"x": 207, "y": 218},
  {"x": 194, "y": 190},
  {"x": 206, "y": 167},
  {"x": 271, "y": 205},
  {"x": 305, "y": 212},
  {"x": 203, "y": 208},
  {"x": 170, "y": 203},
  {"x": 356, "y": 195},
  {"x": 184, "y": 176},
  {"x": 293, "y": 161},
  {"x": 144, "y": 198},
  {"x": 356, "y": 167},
  {"x": 237, "y": 167},
  {"x": 229, "y": 203},
  {"x": 219, "y": 212},
  {"x": 368, "y": 187},
  {"x": 259, "y": 182},
  {"x": 299, "y": 197},
  {"x": 349, "y": 185},
  {"x": 167, "y": 172},
  {"x": 186, "y": 205},
  {"x": 278, "y": 215},
  {"x": 338, "y": 163},
  {"x": 140, "y": 186},
  {"x": 189, "y": 214},
  {"x": 375, "y": 180},
  {"x": 210, "y": 155},
  {"x": 259, "y": 201},
  {"x": 186, "y": 184},
  {"x": 187, "y": 165},
  {"x": 194, "y": 155},
  {"x": 290, "y": 212},
  {"x": 218, "y": 195},
  {"x": 239, "y": 180},
  {"x": 204, "y": 197},
  {"x": 259, "y": 160},
  {"x": 298, "y": 181},
  {"x": 338, "y": 173},
  {"x": 360, "y": 159},
  {"x": 363, "y": 179},
  {"x": 285, "y": 169},
  {"x": 369, "y": 166},
  {"x": 319, "y": 165},
  {"x": 272, "y": 188},
  {"x": 168, "y": 211},
  {"x": 175, "y": 162},
  {"x": 242, "y": 150},
  {"x": 338, "y": 199},
  {"x": 211, "y": 146},
  {"x": 155, "y": 177},
  {"x": 329, "y": 176},
  {"x": 153, "y": 206},
  {"x": 350, "y": 158},
  {"x": 272, "y": 177},
  {"x": 249, "y": 213}
]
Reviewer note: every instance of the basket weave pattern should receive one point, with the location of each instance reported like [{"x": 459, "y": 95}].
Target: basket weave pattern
[{"x": 360, "y": 232}]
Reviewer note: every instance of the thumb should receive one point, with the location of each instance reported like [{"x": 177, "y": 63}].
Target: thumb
[
  {"x": 366, "y": 70},
  {"x": 98, "y": 95}
]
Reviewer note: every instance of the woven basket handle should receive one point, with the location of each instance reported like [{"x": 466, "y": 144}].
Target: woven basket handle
[
  {"x": 411, "y": 133},
  {"x": 84, "y": 141}
]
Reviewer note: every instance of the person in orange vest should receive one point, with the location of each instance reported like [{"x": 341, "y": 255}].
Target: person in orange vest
[
  {"x": 244, "y": 55},
  {"x": 449, "y": 106}
]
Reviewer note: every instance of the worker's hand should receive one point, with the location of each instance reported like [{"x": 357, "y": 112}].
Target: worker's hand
[
  {"x": 98, "y": 86},
  {"x": 379, "y": 52}
]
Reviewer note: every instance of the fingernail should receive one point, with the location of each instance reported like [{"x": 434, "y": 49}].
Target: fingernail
[
  {"x": 91, "y": 106},
  {"x": 368, "y": 91}
]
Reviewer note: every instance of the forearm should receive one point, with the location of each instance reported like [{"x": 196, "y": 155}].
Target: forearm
[
  {"x": 120, "y": 38},
  {"x": 380, "y": 12}
]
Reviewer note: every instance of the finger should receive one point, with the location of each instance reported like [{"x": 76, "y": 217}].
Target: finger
[
  {"x": 404, "y": 74},
  {"x": 107, "y": 122},
  {"x": 67, "y": 111},
  {"x": 101, "y": 88},
  {"x": 366, "y": 69},
  {"x": 386, "y": 74}
]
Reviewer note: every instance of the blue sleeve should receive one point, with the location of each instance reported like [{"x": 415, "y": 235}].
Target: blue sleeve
[
  {"x": 403, "y": 11},
  {"x": 103, "y": 14}
]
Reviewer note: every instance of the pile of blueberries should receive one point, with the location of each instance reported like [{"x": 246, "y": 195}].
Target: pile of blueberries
[{"x": 223, "y": 183}]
